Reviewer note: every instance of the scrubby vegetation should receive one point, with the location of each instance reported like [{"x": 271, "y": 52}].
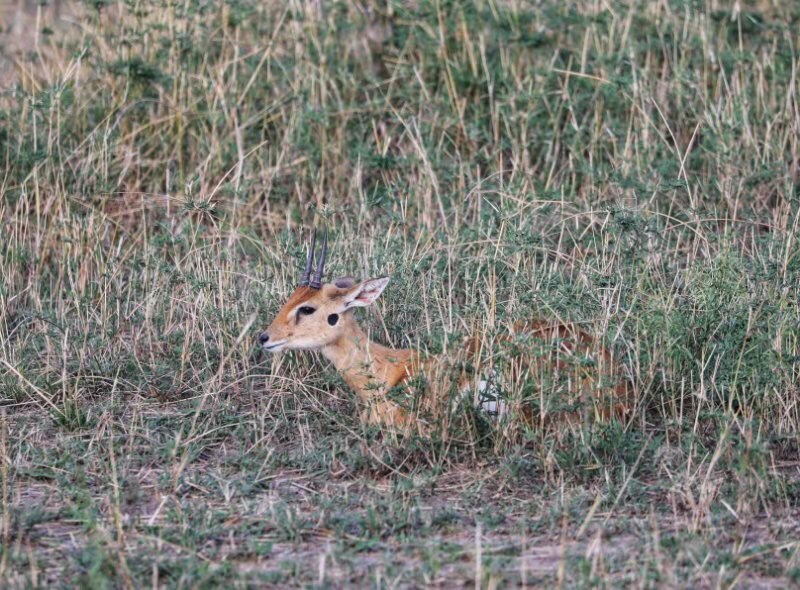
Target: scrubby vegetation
[{"x": 631, "y": 166}]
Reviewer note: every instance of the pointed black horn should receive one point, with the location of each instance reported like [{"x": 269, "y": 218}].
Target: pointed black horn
[
  {"x": 316, "y": 281},
  {"x": 309, "y": 260}
]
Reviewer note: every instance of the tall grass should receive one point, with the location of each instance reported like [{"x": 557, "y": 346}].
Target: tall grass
[{"x": 631, "y": 166}]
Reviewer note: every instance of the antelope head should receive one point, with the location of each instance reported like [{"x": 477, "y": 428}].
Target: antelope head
[{"x": 316, "y": 314}]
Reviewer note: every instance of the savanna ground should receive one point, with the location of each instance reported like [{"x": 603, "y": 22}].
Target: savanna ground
[{"x": 630, "y": 166}]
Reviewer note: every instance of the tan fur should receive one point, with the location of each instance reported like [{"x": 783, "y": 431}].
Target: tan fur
[
  {"x": 372, "y": 369},
  {"x": 601, "y": 383}
]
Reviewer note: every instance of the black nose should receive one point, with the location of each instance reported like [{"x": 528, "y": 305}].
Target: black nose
[{"x": 263, "y": 338}]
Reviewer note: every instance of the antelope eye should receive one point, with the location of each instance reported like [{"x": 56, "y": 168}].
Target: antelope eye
[{"x": 305, "y": 310}]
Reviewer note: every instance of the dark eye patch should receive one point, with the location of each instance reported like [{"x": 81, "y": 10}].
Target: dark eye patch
[
  {"x": 305, "y": 310},
  {"x": 333, "y": 318}
]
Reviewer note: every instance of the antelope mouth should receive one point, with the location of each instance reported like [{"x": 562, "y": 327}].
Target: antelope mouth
[{"x": 273, "y": 346}]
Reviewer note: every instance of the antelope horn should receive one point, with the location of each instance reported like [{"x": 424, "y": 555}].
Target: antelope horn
[
  {"x": 309, "y": 259},
  {"x": 316, "y": 281}
]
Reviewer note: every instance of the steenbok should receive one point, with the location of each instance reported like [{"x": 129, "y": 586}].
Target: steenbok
[{"x": 544, "y": 357}]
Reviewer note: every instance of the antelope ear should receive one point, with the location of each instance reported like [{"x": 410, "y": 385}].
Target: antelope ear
[{"x": 366, "y": 293}]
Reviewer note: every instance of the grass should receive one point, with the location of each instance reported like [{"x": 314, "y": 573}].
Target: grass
[{"x": 630, "y": 166}]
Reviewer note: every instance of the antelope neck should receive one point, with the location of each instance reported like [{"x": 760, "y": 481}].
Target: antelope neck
[
  {"x": 357, "y": 358},
  {"x": 350, "y": 350}
]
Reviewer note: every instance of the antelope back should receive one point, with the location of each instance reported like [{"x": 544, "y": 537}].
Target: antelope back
[{"x": 546, "y": 371}]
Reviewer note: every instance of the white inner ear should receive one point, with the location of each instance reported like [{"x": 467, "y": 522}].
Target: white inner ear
[
  {"x": 361, "y": 298},
  {"x": 367, "y": 296},
  {"x": 366, "y": 293}
]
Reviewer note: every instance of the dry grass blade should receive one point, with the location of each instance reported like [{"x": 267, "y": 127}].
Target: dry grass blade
[{"x": 626, "y": 168}]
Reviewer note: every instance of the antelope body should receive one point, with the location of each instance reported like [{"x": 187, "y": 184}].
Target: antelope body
[{"x": 319, "y": 316}]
